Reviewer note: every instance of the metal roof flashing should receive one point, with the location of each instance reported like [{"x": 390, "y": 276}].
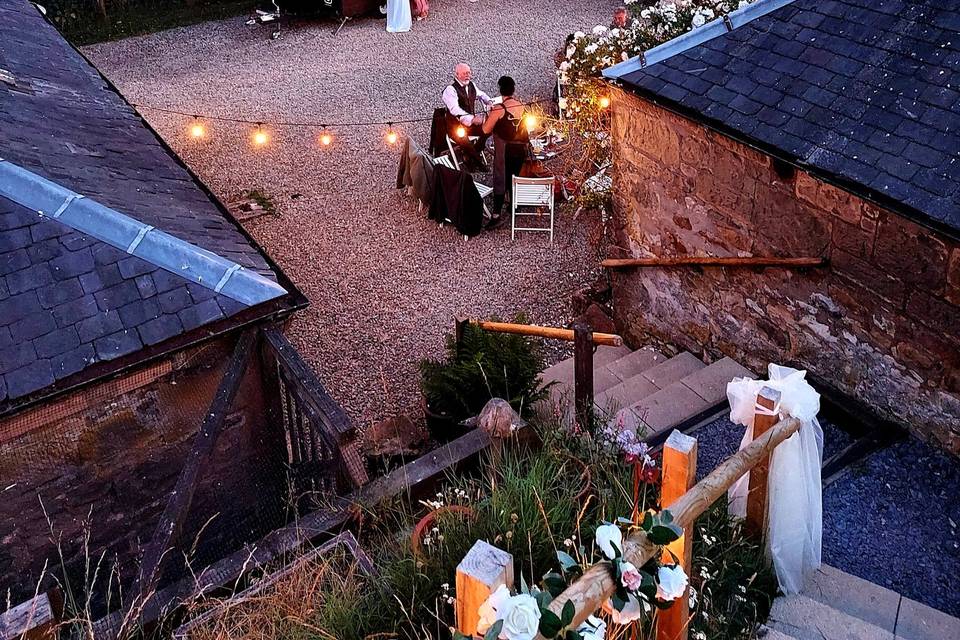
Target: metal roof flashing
[
  {"x": 695, "y": 37},
  {"x": 157, "y": 247}
]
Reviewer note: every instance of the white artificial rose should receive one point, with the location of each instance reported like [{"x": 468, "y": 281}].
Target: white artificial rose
[
  {"x": 571, "y": 50},
  {"x": 614, "y": 33},
  {"x": 591, "y": 48},
  {"x": 579, "y": 34},
  {"x": 608, "y": 535},
  {"x": 521, "y": 618},
  {"x": 672, "y": 582},
  {"x": 645, "y": 14},
  {"x": 564, "y": 65},
  {"x": 562, "y": 103},
  {"x": 488, "y": 610},
  {"x": 593, "y": 628},
  {"x": 624, "y": 56},
  {"x": 599, "y": 30},
  {"x": 698, "y": 20},
  {"x": 634, "y": 609}
]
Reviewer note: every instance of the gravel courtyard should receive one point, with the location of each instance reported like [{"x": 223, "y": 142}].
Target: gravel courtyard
[{"x": 384, "y": 282}]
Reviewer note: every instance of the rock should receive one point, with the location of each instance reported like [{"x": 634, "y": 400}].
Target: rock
[
  {"x": 497, "y": 418},
  {"x": 598, "y": 319},
  {"x": 393, "y": 436}
]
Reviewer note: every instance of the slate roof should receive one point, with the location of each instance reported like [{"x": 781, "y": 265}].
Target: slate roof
[
  {"x": 864, "y": 91},
  {"x": 69, "y": 301}
]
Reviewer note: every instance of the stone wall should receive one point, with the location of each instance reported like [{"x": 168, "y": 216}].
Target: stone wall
[
  {"x": 104, "y": 460},
  {"x": 881, "y": 323}
]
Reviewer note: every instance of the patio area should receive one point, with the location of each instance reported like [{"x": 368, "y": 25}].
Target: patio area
[{"x": 384, "y": 282}]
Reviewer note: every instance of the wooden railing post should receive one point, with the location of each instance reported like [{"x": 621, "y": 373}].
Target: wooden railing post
[
  {"x": 679, "y": 476},
  {"x": 769, "y": 400},
  {"x": 481, "y": 571},
  {"x": 583, "y": 374}
]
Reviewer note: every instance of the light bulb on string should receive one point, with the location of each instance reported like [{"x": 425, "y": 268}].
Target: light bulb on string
[
  {"x": 260, "y": 136},
  {"x": 196, "y": 129},
  {"x": 604, "y": 102},
  {"x": 391, "y": 134},
  {"x": 530, "y": 121},
  {"x": 461, "y": 132},
  {"x": 326, "y": 138}
]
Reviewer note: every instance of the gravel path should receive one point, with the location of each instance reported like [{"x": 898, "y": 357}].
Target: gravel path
[
  {"x": 892, "y": 518},
  {"x": 384, "y": 283}
]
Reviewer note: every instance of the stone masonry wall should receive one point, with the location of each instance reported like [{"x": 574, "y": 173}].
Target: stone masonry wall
[
  {"x": 881, "y": 323},
  {"x": 106, "y": 458}
]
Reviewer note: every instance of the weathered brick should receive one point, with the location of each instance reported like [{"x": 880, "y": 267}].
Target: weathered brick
[
  {"x": 935, "y": 313},
  {"x": 867, "y": 275},
  {"x": 852, "y": 239},
  {"x": 911, "y": 252},
  {"x": 840, "y": 203}
]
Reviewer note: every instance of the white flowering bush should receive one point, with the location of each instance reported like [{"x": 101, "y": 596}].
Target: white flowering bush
[{"x": 588, "y": 53}]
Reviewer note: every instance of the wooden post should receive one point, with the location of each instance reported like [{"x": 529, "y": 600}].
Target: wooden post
[
  {"x": 481, "y": 571},
  {"x": 679, "y": 476},
  {"x": 460, "y": 324},
  {"x": 583, "y": 374},
  {"x": 768, "y": 399},
  {"x": 35, "y": 619}
]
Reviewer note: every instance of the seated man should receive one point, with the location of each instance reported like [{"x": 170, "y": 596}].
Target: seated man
[{"x": 467, "y": 105}]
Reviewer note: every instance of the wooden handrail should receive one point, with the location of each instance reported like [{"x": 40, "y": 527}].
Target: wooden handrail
[
  {"x": 607, "y": 339},
  {"x": 712, "y": 261},
  {"x": 596, "y": 585}
]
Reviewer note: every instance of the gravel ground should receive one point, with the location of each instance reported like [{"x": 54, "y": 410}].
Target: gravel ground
[
  {"x": 384, "y": 283},
  {"x": 892, "y": 518}
]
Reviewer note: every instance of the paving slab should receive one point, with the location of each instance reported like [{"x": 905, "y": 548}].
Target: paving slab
[
  {"x": 917, "y": 621},
  {"x": 710, "y": 382},
  {"x": 854, "y": 596},
  {"x": 636, "y": 363},
  {"x": 677, "y": 367},
  {"x": 662, "y": 410},
  {"x": 806, "y": 619},
  {"x": 625, "y": 394}
]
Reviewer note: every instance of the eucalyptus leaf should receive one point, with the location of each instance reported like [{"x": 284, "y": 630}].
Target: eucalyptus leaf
[
  {"x": 554, "y": 583},
  {"x": 566, "y": 560},
  {"x": 625, "y": 521},
  {"x": 543, "y": 598},
  {"x": 647, "y": 521},
  {"x": 524, "y": 587},
  {"x": 566, "y": 615},
  {"x": 494, "y": 631},
  {"x": 549, "y": 624},
  {"x": 666, "y": 517},
  {"x": 572, "y": 635}
]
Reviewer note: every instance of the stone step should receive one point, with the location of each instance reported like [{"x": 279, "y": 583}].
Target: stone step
[
  {"x": 917, "y": 621},
  {"x": 635, "y": 363},
  {"x": 710, "y": 382},
  {"x": 766, "y": 633},
  {"x": 671, "y": 370},
  {"x": 660, "y": 411},
  {"x": 804, "y": 618},
  {"x": 854, "y": 596},
  {"x": 562, "y": 372}
]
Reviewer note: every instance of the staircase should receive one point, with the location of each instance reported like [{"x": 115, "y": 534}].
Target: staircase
[
  {"x": 647, "y": 391},
  {"x": 838, "y": 606}
]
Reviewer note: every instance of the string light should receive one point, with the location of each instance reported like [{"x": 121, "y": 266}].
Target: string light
[
  {"x": 391, "y": 134},
  {"x": 604, "y": 102},
  {"x": 325, "y": 138},
  {"x": 260, "y": 136},
  {"x": 461, "y": 132},
  {"x": 197, "y": 130},
  {"x": 530, "y": 121}
]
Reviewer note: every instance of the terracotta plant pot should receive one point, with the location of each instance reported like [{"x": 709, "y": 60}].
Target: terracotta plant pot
[{"x": 427, "y": 521}]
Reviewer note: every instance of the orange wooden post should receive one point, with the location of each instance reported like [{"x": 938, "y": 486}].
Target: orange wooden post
[
  {"x": 756, "y": 524},
  {"x": 481, "y": 571},
  {"x": 679, "y": 476}
]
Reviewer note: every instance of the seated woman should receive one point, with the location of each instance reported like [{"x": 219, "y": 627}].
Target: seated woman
[{"x": 510, "y": 144}]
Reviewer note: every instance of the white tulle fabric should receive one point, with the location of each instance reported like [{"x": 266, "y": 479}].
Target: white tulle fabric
[
  {"x": 398, "y": 16},
  {"x": 795, "y": 511}
]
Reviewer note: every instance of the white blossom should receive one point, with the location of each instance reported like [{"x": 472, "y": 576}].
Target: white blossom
[
  {"x": 599, "y": 30},
  {"x": 593, "y": 628},
  {"x": 671, "y": 582},
  {"x": 607, "y": 536},
  {"x": 521, "y": 618},
  {"x": 490, "y": 607}
]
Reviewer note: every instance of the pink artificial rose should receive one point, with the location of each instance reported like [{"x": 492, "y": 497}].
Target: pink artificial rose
[{"x": 630, "y": 576}]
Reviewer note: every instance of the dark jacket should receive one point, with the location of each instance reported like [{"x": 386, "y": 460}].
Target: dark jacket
[{"x": 455, "y": 198}]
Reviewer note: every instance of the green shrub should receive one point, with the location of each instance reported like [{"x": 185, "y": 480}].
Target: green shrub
[{"x": 484, "y": 365}]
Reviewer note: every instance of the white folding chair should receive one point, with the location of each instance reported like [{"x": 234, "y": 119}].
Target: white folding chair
[
  {"x": 450, "y": 161},
  {"x": 531, "y": 192}
]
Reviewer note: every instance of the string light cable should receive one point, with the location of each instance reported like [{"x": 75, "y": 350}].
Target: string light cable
[{"x": 260, "y": 136}]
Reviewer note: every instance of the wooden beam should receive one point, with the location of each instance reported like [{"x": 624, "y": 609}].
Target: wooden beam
[
  {"x": 768, "y": 401},
  {"x": 482, "y": 570},
  {"x": 679, "y": 476},
  {"x": 712, "y": 261},
  {"x": 606, "y": 339},
  {"x": 175, "y": 513},
  {"x": 583, "y": 375},
  {"x": 35, "y": 619},
  {"x": 596, "y": 585}
]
